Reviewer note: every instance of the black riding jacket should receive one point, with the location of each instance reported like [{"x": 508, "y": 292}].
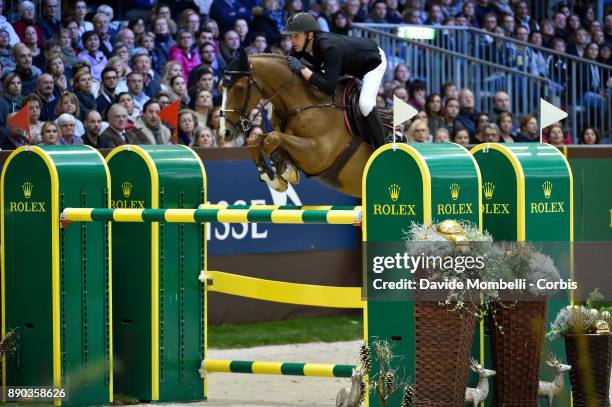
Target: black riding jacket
[{"x": 335, "y": 55}]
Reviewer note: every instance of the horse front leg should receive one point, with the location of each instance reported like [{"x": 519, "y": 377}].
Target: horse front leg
[
  {"x": 281, "y": 160},
  {"x": 266, "y": 172}
]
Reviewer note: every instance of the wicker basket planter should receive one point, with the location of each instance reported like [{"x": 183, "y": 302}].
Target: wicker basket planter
[
  {"x": 591, "y": 358},
  {"x": 443, "y": 348},
  {"x": 516, "y": 350}
]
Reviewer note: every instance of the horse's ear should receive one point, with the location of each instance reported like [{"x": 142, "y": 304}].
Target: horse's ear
[{"x": 244, "y": 60}]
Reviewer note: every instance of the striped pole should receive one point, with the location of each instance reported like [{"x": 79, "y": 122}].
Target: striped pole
[
  {"x": 275, "y": 368},
  {"x": 222, "y": 214}
]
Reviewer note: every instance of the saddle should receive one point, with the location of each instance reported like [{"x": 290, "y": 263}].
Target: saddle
[{"x": 354, "y": 120}]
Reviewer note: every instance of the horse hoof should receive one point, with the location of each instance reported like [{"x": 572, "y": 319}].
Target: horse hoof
[
  {"x": 291, "y": 175},
  {"x": 276, "y": 183}
]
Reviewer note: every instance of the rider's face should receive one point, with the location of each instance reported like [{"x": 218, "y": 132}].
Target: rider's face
[{"x": 298, "y": 40}]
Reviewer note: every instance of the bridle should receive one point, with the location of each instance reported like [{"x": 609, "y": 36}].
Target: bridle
[{"x": 244, "y": 123}]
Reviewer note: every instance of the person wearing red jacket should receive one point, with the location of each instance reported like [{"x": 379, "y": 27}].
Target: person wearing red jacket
[{"x": 26, "y": 19}]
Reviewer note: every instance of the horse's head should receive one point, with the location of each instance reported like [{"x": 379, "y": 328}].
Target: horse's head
[{"x": 241, "y": 94}]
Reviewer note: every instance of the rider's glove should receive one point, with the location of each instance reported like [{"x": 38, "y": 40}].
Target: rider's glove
[{"x": 295, "y": 65}]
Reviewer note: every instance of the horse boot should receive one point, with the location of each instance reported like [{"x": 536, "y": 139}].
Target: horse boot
[
  {"x": 284, "y": 166},
  {"x": 376, "y": 130}
]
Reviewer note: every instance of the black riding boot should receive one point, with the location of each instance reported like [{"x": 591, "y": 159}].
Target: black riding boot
[{"x": 376, "y": 131}]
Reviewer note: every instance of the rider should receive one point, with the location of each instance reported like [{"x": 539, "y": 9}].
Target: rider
[{"x": 333, "y": 55}]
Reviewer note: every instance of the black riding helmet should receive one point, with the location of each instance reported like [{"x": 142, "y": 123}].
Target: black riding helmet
[{"x": 299, "y": 23}]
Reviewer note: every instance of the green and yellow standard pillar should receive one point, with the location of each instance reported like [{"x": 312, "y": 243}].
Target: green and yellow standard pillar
[
  {"x": 56, "y": 283},
  {"x": 158, "y": 301}
]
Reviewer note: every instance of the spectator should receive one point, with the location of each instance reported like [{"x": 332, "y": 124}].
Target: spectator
[
  {"x": 26, "y": 19},
  {"x": 607, "y": 27},
  {"x": 113, "y": 26},
  {"x": 378, "y": 15},
  {"x": 269, "y": 20},
  {"x": 92, "y": 54},
  {"x": 188, "y": 122},
  {"x": 434, "y": 15},
  {"x": 179, "y": 89},
  {"x": 67, "y": 125},
  {"x": 578, "y": 44},
  {"x": 164, "y": 99},
  {"x": 556, "y": 136},
  {"x": 401, "y": 73},
  {"x": 605, "y": 54},
  {"x": 505, "y": 123},
  {"x": 34, "y": 104},
  {"x": 521, "y": 12},
  {"x": 501, "y": 103},
  {"x": 284, "y": 48},
  {"x": 242, "y": 29},
  {"x": 393, "y": 14},
  {"x": 8, "y": 27},
  {"x": 142, "y": 64},
  {"x": 147, "y": 41},
  {"x": 418, "y": 131},
  {"x": 6, "y": 51},
  {"x": 122, "y": 72},
  {"x": 69, "y": 103},
  {"x": 171, "y": 70},
  {"x": 125, "y": 100},
  {"x": 45, "y": 90},
  {"x": 49, "y": 134},
  {"x": 508, "y": 24},
  {"x": 328, "y": 7},
  {"x": 340, "y": 23},
  {"x": 573, "y": 24},
  {"x": 205, "y": 80},
  {"x": 138, "y": 26},
  {"x": 589, "y": 135},
  {"x": 101, "y": 27},
  {"x": 149, "y": 126},
  {"x": 433, "y": 108},
  {"x": 11, "y": 99},
  {"x": 467, "y": 112},
  {"x": 163, "y": 10},
  {"x": 127, "y": 38},
  {"x": 449, "y": 90},
  {"x": 120, "y": 50},
  {"x": 258, "y": 45},
  {"x": 213, "y": 121},
  {"x": 212, "y": 26},
  {"x": 24, "y": 68},
  {"x": 135, "y": 84},
  {"x": 56, "y": 68},
  {"x": 191, "y": 21},
  {"x": 203, "y": 104},
  {"x": 482, "y": 10},
  {"x": 204, "y": 138},
  {"x": 230, "y": 47},
  {"x": 31, "y": 41},
  {"x": 226, "y": 12},
  {"x": 93, "y": 128},
  {"x": 537, "y": 60},
  {"x": 209, "y": 60},
  {"x": 80, "y": 11},
  {"x": 295, "y": 6},
  {"x": 115, "y": 134},
  {"x": 14, "y": 138},
  {"x": 163, "y": 39},
  {"x": 108, "y": 90},
  {"x": 491, "y": 133},
  {"x": 417, "y": 94},
  {"x": 460, "y": 136},
  {"x": 481, "y": 121},
  {"x": 401, "y": 93},
  {"x": 184, "y": 53},
  {"x": 441, "y": 135},
  {"x": 528, "y": 129},
  {"x": 49, "y": 24},
  {"x": 469, "y": 12},
  {"x": 451, "y": 112},
  {"x": 68, "y": 51},
  {"x": 560, "y": 25},
  {"x": 82, "y": 86},
  {"x": 592, "y": 83}
]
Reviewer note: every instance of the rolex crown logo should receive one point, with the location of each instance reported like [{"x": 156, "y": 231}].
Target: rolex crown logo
[
  {"x": 126, "y": 188},
  {"x": 454, "y": 188},
  {"x": 27, "y": 189},
  {"x": 488, "y": 188},
  {"x": 547, "y": 186},
  {"x": 394, "y": 191}
]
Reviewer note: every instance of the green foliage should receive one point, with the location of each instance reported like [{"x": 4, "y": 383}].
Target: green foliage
[{"x": 574, "y": 320}]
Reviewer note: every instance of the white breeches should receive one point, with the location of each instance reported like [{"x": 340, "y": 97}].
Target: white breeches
[{"x": 371, "y": 84}]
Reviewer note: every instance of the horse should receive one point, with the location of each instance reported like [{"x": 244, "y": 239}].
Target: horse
[{"x": 308, "y": 125}]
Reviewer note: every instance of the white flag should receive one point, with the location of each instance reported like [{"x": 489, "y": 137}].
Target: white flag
[{"x": 550, "y": 114}]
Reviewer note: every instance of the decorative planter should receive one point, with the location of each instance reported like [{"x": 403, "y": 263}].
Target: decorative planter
[
  {"x": 516, "y": 350},
  {"x": 443, "y": 348},
  {"x": 591, "y": 358}
]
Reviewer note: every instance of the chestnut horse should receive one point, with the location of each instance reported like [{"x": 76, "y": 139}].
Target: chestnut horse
[{"x": 307, "y": 125}]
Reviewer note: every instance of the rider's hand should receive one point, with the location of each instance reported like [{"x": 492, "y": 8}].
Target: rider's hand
[{"x": 295, "y": 65}]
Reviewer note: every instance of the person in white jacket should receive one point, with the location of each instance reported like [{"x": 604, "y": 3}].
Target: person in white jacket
[{"x": 5, "y": 25}]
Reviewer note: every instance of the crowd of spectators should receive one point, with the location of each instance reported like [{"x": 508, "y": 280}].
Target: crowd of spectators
[{"x": 91, "y": 78}]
